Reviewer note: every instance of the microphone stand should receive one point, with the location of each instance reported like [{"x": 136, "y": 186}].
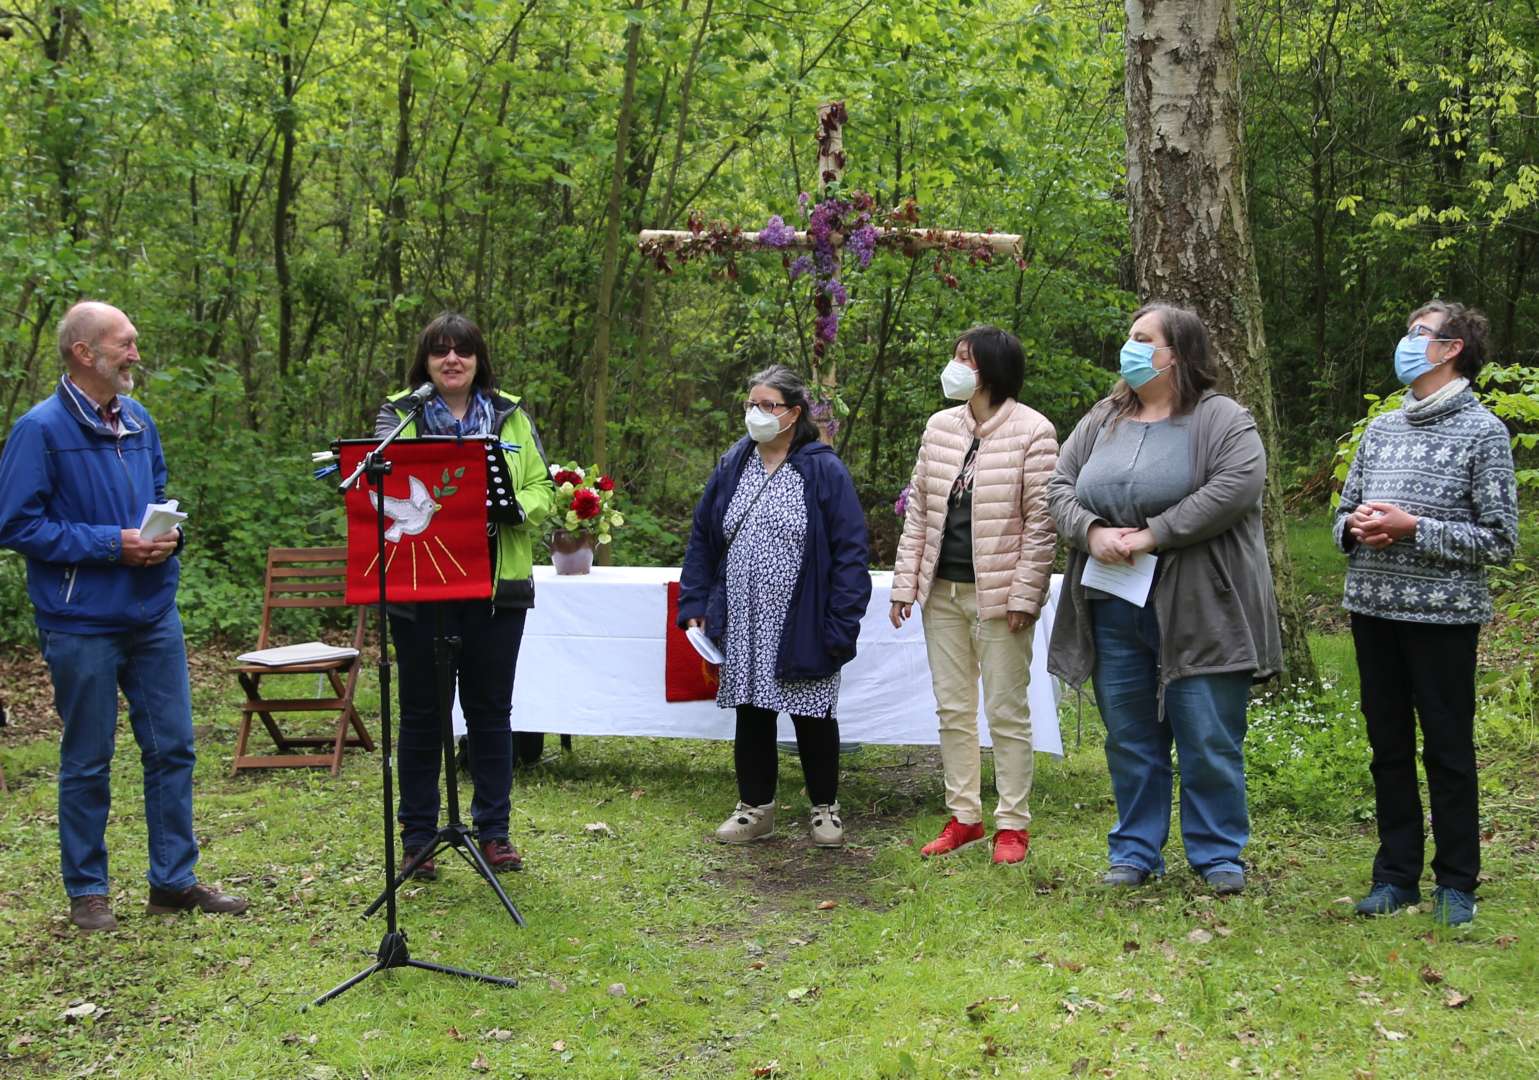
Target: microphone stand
[{"x": 392, "y": 951}]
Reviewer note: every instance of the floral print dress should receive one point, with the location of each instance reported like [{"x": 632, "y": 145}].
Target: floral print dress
[{"x": 763, "y": 565}]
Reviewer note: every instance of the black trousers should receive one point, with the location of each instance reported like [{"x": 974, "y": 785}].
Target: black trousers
[
  {"x": 758, "y": 765},
  {"x": 489, "y": 642},
  {"x": 1410, "y": 672}
]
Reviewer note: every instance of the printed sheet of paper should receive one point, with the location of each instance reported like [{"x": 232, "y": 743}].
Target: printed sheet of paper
[
  {"x": 159, "y": 519},
  {"x": 1131, "y": 583}
]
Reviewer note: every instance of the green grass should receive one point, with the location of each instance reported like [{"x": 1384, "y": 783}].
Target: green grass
[
  {"x": 654, "y": 952},
  {"x": 1318, "y": 565}
]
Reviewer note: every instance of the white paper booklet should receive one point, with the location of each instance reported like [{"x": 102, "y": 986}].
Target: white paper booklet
[
  {"x": 309, "y": 652},
  {"x": 704, "y": 645},
  {"x": 1131, "y": 583},
  {"x": 159, "y": 519}
]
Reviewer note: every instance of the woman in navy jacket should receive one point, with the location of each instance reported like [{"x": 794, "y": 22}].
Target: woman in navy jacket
[{"x": 776, "y": 576}]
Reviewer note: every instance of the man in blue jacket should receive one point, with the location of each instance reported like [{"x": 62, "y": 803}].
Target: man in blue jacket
[{"x": 77, "y": 472}]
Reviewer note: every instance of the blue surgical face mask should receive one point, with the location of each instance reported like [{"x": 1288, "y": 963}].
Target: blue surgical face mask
[
  {"x": 1411, "y": 361},
  {"x": 1137, "y": 362}
]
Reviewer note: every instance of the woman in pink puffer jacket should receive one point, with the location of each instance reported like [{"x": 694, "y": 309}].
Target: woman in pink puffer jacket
[{"x": 976, "y": 555}]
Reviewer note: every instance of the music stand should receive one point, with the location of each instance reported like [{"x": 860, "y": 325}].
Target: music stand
[{"x": 393, "y": 951}]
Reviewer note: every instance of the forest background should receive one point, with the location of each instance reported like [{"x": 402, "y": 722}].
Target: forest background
[{"x": 281, "y": 194}]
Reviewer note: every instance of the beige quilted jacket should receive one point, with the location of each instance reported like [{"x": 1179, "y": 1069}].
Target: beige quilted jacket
[{"x": 1013, "y": 537}]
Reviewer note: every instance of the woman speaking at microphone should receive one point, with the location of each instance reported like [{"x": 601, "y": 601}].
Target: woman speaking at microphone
[
  {"x": 776, "y": 574},
  {"x": 451, "y": 354}
]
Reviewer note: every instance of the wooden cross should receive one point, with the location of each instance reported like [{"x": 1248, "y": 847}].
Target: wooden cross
[{"x": 831, "y": 162}]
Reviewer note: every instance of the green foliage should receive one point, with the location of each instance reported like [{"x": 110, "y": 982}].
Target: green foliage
[
  {"x": 1394, "y": 154},
  {"x": 1306, "y": 753},
  {"x": 16, "y": 625},
  {"x": 459, "y": 156}
]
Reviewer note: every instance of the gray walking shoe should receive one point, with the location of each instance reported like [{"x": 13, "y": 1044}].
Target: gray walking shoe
[
  {"x": 827, "y": 826},
  {"x": 747, "y": 824}
]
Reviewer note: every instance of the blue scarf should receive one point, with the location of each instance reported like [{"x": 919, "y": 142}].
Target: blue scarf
[{"x": 438, "y": 420}]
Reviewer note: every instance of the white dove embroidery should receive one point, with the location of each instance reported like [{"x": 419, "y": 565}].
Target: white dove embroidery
[{"x": 411, "y": 515}]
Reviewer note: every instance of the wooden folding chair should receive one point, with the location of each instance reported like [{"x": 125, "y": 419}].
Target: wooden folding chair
[{"x": 303, "y": 578}]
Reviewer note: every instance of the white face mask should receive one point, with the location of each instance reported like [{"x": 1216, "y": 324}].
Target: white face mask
[
  {"x": 958, "y": 381},
  {"x": 762, "y": 426}
]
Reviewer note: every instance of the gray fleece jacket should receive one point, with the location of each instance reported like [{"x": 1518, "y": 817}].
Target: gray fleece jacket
[{"x": 1213, "y": 598}]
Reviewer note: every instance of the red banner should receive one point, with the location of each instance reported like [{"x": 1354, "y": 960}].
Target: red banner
[
  {"x": 687, "y": 676},
  {"x": 435, "y": 523}
]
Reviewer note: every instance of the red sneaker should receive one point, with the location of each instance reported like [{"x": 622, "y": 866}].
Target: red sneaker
[
  {"x": 953, "y": 837},
  {"x": 1010, "y": 846}
]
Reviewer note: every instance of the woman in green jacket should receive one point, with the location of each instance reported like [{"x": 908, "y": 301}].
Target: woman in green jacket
[{"x": 452, "y": 355}]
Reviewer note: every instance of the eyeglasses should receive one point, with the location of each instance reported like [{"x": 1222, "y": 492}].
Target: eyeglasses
[
  {"x": 774, "y": 408},
  {"x": 438, "y": 352},
  {"x": 1419, "y": 331}
]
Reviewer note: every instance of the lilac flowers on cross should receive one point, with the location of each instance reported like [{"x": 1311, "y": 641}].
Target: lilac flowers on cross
[
  {"x": 832, "y": 222},
  {"x": 777, "y": 234}
]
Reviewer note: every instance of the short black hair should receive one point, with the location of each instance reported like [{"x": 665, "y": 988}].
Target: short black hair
[
  {"x": 1001, "y": 361},
  {"x": 452, "y": 330},
  {"x": 1468, "y": 325}
]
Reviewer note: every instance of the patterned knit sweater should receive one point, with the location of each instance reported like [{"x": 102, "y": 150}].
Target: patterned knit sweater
[{"x": 1449, "y": 465}]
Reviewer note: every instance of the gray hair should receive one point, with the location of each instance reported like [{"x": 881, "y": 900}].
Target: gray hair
[
  {"x": 83, "y": 322},
  {"x": 793, "y": 388}
]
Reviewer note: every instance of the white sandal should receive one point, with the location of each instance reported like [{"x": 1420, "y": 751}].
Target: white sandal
[
  {"x": 827, "y": 828},
  {"x": 747, "y": 824}
]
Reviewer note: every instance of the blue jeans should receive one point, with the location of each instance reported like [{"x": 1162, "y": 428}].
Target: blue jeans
[
  {"x": 150, "y": 665},
  {"x": 1205, "y": 717},
  {"x": 488, "y": 657}
]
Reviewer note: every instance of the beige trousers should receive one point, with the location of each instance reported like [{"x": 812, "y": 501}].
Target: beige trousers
[{"x": 960, "y": 647}]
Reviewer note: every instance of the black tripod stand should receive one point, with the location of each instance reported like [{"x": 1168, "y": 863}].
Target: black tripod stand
[
  {"x": 455, "y": 834},
  {"x": 393, "y": 952}
]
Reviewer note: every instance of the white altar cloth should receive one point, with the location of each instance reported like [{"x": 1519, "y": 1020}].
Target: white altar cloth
[{"x": 592, "y": 663}]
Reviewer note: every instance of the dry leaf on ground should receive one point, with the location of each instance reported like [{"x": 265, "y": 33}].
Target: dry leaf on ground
[{"x": 1392, "y": 1036}]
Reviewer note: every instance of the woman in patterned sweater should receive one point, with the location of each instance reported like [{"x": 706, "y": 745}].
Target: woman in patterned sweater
[{"x": 1429, "y": 503}]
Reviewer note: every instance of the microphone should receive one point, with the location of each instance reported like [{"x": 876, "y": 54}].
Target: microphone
[{"x": 420, "y": 395}]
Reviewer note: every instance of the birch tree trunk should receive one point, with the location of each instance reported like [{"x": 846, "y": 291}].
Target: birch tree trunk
[{"x": 1190, "y": 228}]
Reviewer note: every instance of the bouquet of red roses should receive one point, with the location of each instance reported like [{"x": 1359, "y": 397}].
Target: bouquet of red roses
[{"x": 584, "y": 501}]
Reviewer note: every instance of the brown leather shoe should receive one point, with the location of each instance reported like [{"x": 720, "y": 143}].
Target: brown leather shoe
[
  {"x": 502, "y": 855},
  {"x": 92, "y": 913},
  {"x": 426, "y": 870},
  {"x": 195, "y": 898}
]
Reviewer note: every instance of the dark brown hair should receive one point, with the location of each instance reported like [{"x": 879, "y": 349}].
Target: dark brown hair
[
  {"x": 452, "y": 330},
  {"x": 1194, "y": 370},
  {"x": 1465, "y": 324},
  {"x": 1001, "y": 361}
]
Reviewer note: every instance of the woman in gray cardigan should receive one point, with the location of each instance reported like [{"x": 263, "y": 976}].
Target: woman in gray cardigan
[{"x": 1166, "y": 466}]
